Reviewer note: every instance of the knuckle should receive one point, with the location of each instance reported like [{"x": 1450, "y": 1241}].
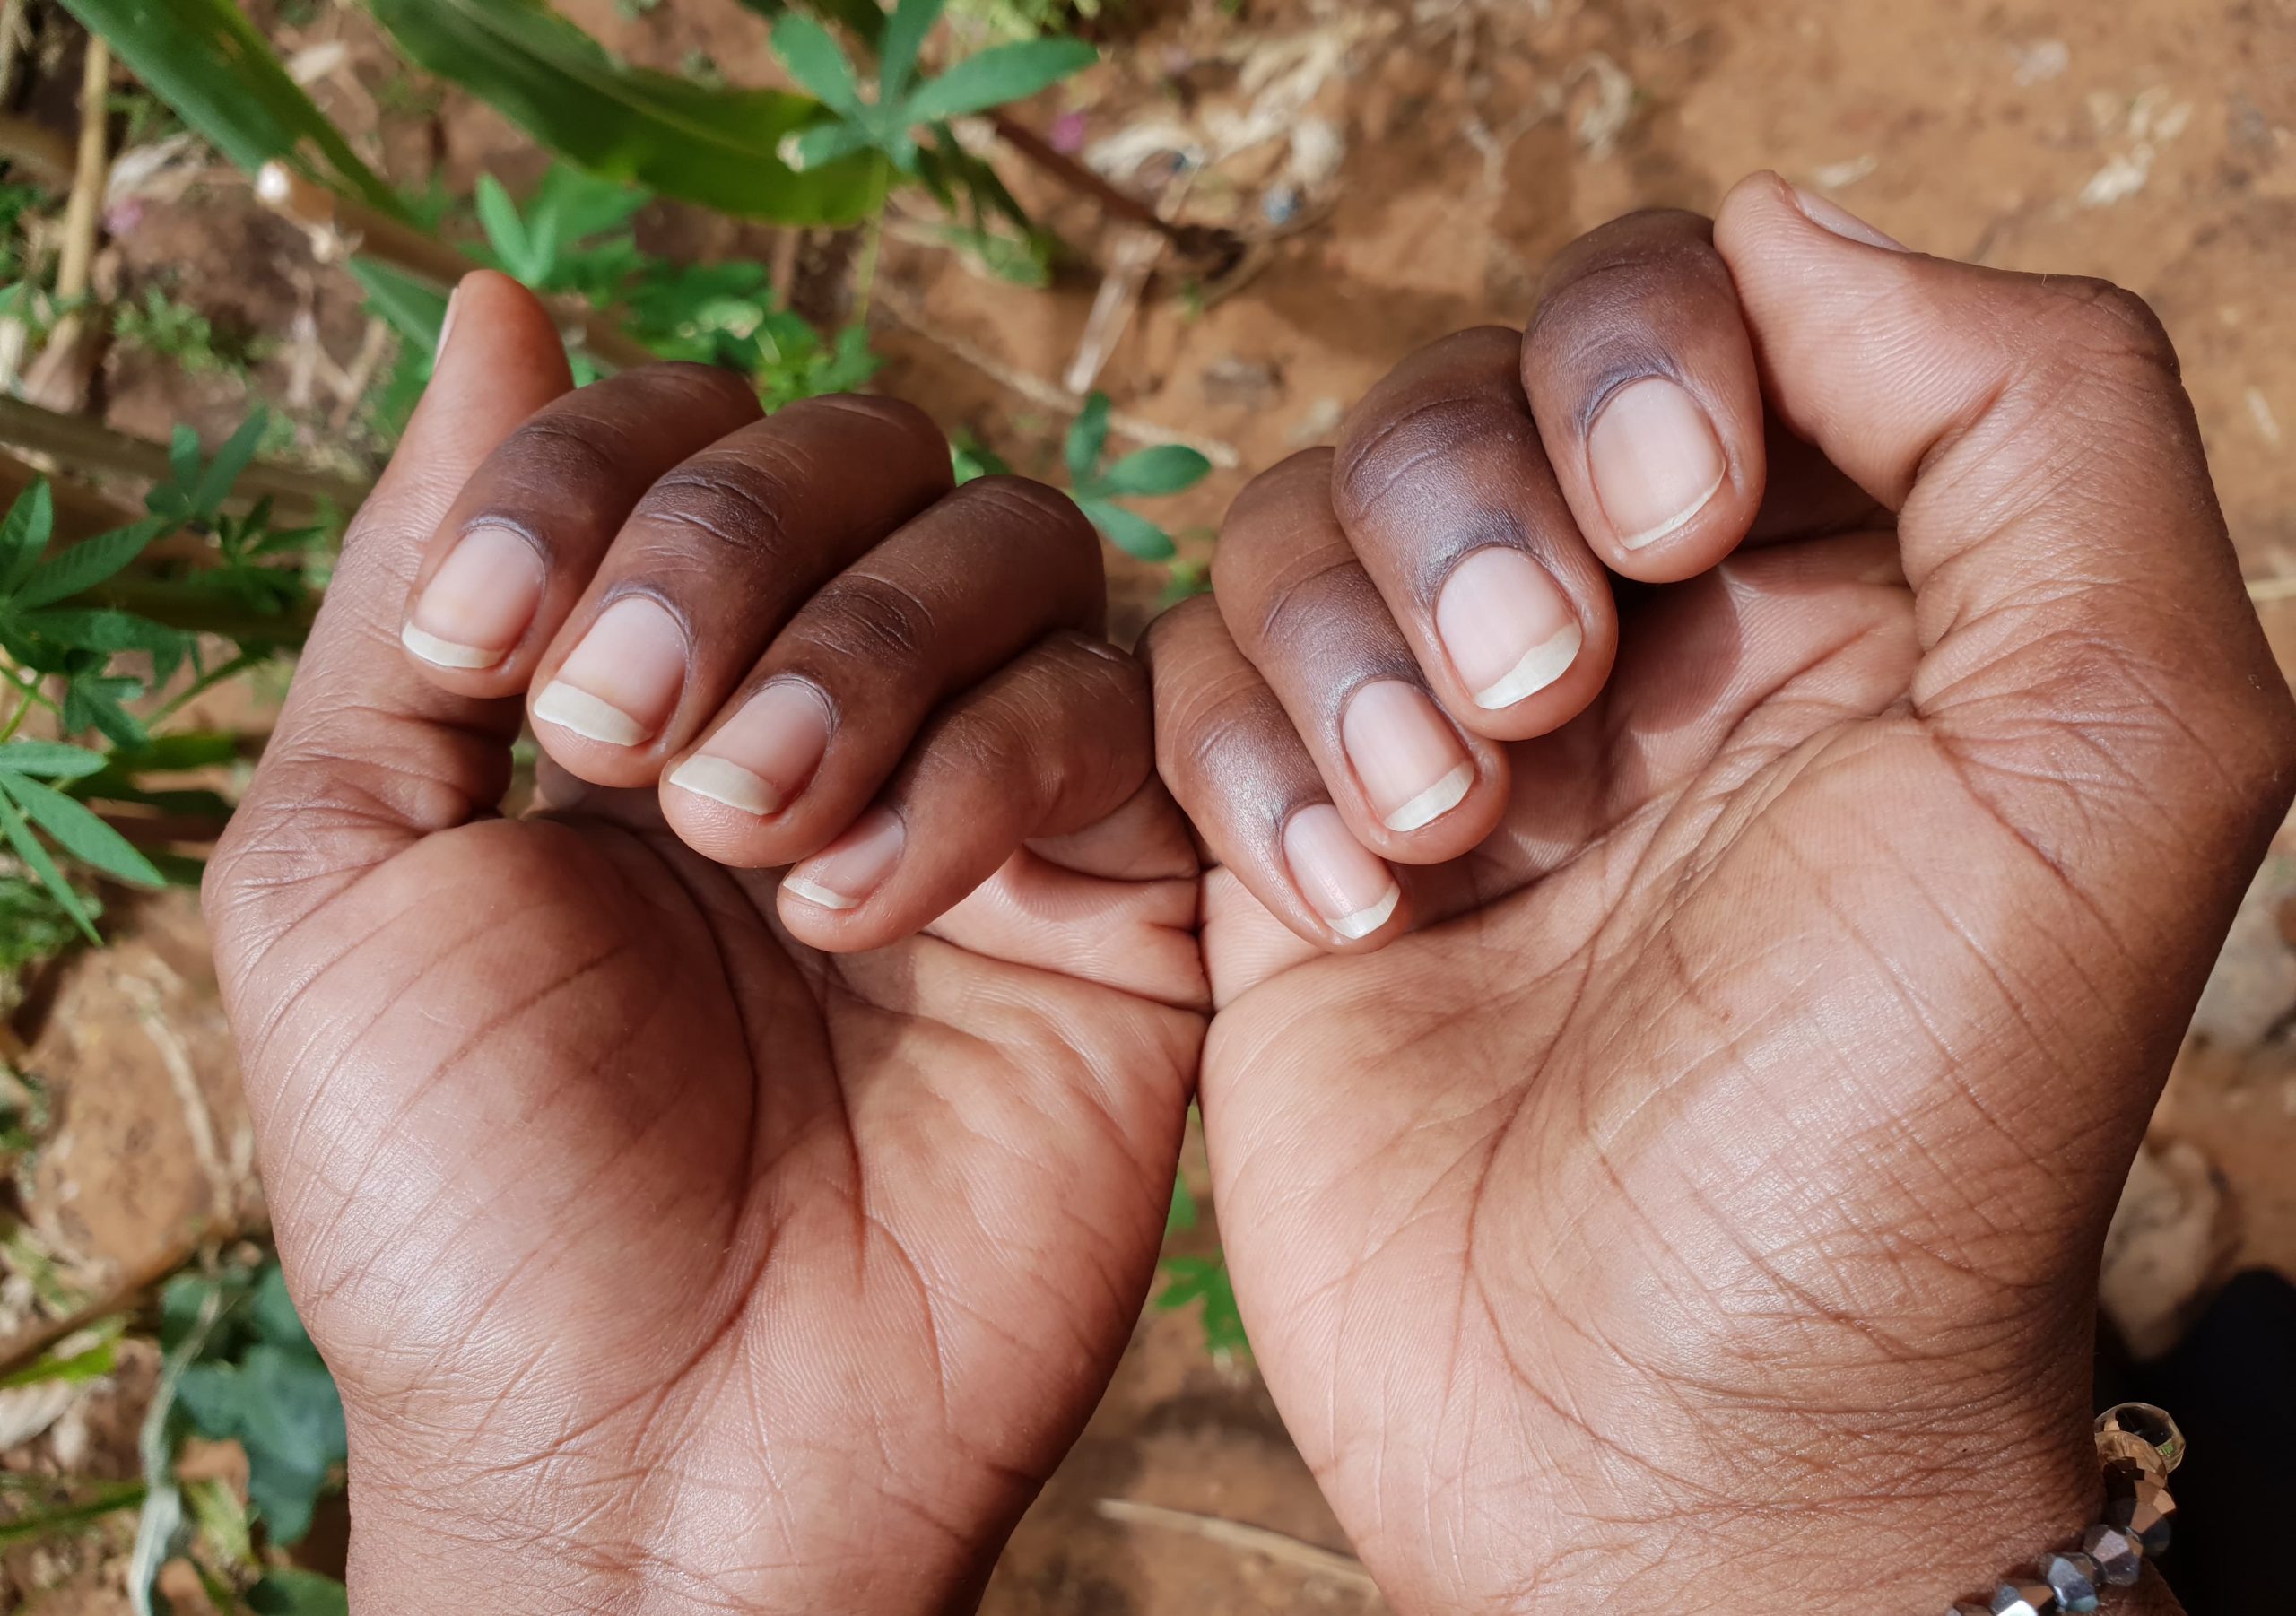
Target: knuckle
[
  {"x": 1428, "y": 437},
  {"x": 1044, "y": 517},
  {"x": 2092, "y": 322},
  {"x": 733, "y": 501},
  {"x": 874, "y": 620},
  {"x": 870, "y": 409}
]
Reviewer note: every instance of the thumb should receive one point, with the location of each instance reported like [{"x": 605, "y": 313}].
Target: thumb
[
  {"x": 369, "y": 755},
  {"x": 2090, "y": 659}
]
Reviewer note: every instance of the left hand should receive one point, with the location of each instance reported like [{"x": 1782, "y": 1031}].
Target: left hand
[{"x": 681, "y": 1239}]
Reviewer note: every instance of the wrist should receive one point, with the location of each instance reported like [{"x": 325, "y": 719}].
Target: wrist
[{"x": 633, "y": 1541}]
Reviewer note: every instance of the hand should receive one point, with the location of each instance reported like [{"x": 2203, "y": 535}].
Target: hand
[
  {"x": 677, "y": 1245},
  {"x": 1689, "y": 1195}
]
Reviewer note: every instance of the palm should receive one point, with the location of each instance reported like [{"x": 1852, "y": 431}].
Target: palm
[
  {"x": 1636, "y": 1116},
  {"x": 657, "y": 1170}
]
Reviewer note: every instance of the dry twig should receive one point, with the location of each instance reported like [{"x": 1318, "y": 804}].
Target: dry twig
[
  {"x": 60, "y": 376},
  {"x": 1236, "y": 1534},
  {"x": 1040, "y": 392}
]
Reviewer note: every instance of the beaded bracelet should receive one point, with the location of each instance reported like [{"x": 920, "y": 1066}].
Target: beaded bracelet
[{"x": 2138, "y": 1445}]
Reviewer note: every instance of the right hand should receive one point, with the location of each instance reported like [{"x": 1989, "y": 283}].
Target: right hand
[
  {"x": 1685, "y": 1191},
  {"x": 683, "y": 1234}
]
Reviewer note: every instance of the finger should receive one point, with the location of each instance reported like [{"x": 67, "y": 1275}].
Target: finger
[
  {"x": 2088, "y": 651},
  {"x": 1236, "y": 765},
  {"x": 716, "y": 557},
  {"x": 369, "y": 754},
  {"x": 827, "y": 714},
  {"x": 1057, "y": 740},
  {"x": 1449, "y": 502},
  {"x": 1303, "y": 609},
  {"x": 1642, "y": 379},
  {"x": 518, "y": 548}
]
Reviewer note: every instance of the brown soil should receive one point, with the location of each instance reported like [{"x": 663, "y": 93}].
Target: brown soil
[{"x": 2144, "y": 142}]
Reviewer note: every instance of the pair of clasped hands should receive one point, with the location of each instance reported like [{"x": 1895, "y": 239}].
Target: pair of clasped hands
[{"x": 1675, "y": 860}]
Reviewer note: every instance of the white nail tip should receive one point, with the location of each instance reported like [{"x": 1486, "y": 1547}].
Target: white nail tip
[
  {"x": 1540, "y": 666},
  {"x": 1364, "y": 922},
  {"x": 1675, "y": 523},
  {"x": 578, "y": 710},
  {"x": 446, "y": 653},
  {"x": 1435, "y": 802},
  {"x": 728, "y": 783},
  {"x": 813, "y": 891}
]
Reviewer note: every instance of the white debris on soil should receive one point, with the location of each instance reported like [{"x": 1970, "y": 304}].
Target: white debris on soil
[{"x": 2166, "y": 1240}]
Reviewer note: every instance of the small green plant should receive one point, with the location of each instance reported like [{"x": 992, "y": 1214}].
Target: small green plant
[
  {"x": 905, "y": 103},
  {"x": 75, "y": 647},
  {"x": 167, "y": 329},
  {"x": 237, "y": 1365},
  {"x": 1163, "y": 468},
  {"x": 1200, "y": 1280}
]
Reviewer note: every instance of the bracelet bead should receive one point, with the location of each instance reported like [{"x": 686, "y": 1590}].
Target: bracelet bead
[
  {"x": 2074, "y": 1577},
  {"x": 2120, "y": 1557},
  {"x": 2137, "y": 1445}
]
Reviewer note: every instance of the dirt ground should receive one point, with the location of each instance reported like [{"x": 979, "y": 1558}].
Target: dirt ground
[{"x": 1403, "y": 170}]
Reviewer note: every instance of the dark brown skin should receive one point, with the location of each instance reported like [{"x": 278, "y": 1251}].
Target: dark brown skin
[
  {"x": 1688, "y": 1198},
  {"x": 1692, "y": 1197}
]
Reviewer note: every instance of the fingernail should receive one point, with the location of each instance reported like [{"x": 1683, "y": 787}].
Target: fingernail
[
  {"x": 765, "y": 754},
  {"x": 446, "y": 326},
  {"x": 624, "y": 677},
  {"x": 1345, "y": 883},
  {"x": 477, "y": 606},
  {"x": 1654, "y": 460},
  {"x": 843, "y": 875},
  {"x": 1832, "y": 216},
  {"x": 1505, "y": 626},
  {"x": 1405, "y": 754}
]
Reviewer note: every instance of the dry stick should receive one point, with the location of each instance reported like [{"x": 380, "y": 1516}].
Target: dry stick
[
  {"x": 13, "y": 31},
  {"x": 339, "y": 227},
  {"x": 2272, "y": 590},
  {"x": 1199, "y": 241},
  {"x": 51, "y": 373},
  {"x": 89, "y": 446},
  {"x": 1044, "y": 393},
  {"x": 1235, "y": 1534}
]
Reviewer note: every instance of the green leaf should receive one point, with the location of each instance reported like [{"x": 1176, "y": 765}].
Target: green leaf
[
  {"x": 64, "y": 1518},
  {"x": 281, "y": 1405},
  {"x": 715, "y": 147},
  {"x": 89, "y": 562},
  {"x": 285, "y": 1591},
  {"x": 272, "y": 1311},
  {"x": 814, "y": 61},
  {"x": 36, "y": 859},
  {"x": 1205, "y": 1280},
  {"x": 49, "y": 759},
  {"x": 25, "y": 533},
  {"x": 84, "y": 1365},
  {"x": 580, "y": 206},
  {"x": 233, "y": 458},
  {"x": 415, "y": 309},
  {"x": 904, "y": 37},
  {"x": 1133, "y": 534},
  {"x": 103, "y": 629},
  {"x": 1088, "y": 434},
  {"x": 1002, "y": 73},
  {"x": 1166, "y": 468},
  {"x": 80, "y": 832},
  {"x": 506, "y": 232},
  {"x": 206, "y": 60},
  {"x": 810, "y": 149}
]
